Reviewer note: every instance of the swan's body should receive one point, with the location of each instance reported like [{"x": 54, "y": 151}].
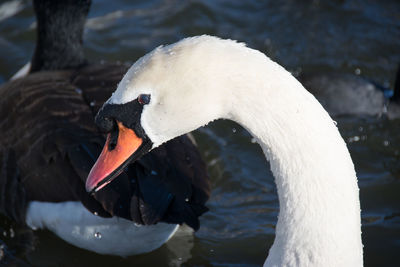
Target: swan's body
[{"x": 200, "y": 79}]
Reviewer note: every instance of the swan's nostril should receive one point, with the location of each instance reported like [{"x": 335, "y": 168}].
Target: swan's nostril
[{"x": 112, "y": 144}]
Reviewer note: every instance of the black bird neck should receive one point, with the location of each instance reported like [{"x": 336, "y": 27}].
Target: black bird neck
[{"x": 60, "y": 26}]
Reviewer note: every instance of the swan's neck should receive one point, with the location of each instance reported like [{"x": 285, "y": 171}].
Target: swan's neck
[{"x": 319, "y": 219}]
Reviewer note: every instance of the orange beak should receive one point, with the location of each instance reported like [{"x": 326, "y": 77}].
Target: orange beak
[{"x": 112, "y": 161}]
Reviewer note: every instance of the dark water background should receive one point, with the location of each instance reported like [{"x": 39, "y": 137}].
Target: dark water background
[{"x": 352, "y": 36}]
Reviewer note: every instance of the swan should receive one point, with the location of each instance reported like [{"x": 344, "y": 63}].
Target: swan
[
  {"x": 49, "y": 143},
  {"x": 178, "y": 88}
]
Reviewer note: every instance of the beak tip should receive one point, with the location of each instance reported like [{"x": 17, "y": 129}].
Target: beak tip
[
  {"x": 90, "y": 184},
  {"x": 89, "y": 188}
]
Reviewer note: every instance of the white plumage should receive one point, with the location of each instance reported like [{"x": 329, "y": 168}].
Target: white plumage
[
  {"x": 204, "y": 78},
  {"x": 113, "y": 236}
]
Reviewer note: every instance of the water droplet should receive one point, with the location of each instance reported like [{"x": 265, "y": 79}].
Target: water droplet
[
  {"x": 92, "y": 103},
  {"x": 354, "y": 139},
  {"x": 386, "y": 143},
  {"x": 213, "y": 162},
  {"x": 179, "y": 259},
  {"x": 95, "y": 213},
  {"x": 12, "y": 233},
  {"x": 187, "y": 199},
  {"x": 296, "y": 72},
  {"x": 153, "y": 172},
  {"x": 78, "y": 90},
  {"x": 253, "y": 140},
  {"x": 234, "y": 130},
  {"x": 357, "y": 71},
  {"x": 97, "y": 235}
]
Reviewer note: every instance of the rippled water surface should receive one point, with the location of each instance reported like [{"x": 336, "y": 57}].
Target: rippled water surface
[{"x": 352, "y": 36}]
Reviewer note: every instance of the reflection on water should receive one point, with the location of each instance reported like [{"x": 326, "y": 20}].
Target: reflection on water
[{"x": 348, "y": 36}]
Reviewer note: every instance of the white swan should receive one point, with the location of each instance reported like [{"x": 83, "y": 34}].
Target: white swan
[{"x": 177, "y": 88}]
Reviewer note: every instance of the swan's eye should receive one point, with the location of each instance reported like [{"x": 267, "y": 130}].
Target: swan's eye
[{"x": 143, "y": 99}]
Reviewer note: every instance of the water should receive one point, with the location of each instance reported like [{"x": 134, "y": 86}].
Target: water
[{"x": 359, "y": 37}]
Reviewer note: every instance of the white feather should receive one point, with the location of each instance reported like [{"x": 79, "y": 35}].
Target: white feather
[{"x": 72, "y": 222}]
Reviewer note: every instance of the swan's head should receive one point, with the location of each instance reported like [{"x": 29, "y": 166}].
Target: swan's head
[{"x": 162, "y": 96}]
